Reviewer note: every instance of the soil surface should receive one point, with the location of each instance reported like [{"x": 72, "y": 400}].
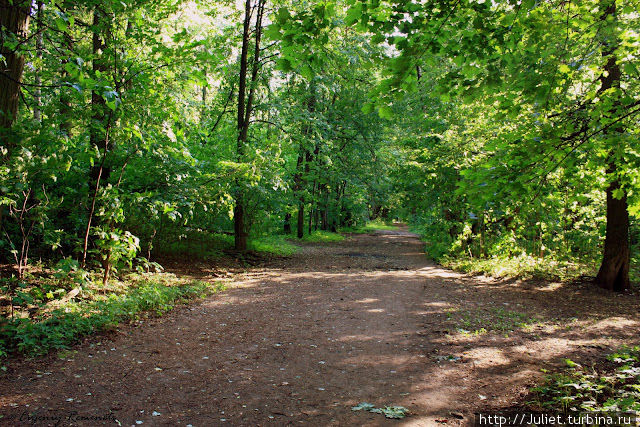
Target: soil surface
[{"x": 304, "y": 339}]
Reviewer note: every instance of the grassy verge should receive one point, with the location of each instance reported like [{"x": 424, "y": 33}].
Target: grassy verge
[
  {"x": 524, "y": 267},
  {"x": 65, "y": 325},
  {"x": 612, "y": 387}
]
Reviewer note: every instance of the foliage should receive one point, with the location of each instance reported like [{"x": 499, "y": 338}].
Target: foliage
[{"x": 613, "y": 388}]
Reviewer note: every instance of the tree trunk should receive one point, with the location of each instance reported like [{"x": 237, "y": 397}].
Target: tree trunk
[
  {"x": 300, "y": 218},
  {"x": 245, "y": 106},
  {"x": 37, "y": 95},
  {"x": 14, "y": 17},
  {"x": 240, "y": 236},
  {"x": 614, "y": 270},
  {"x": 287, "y": 223}
]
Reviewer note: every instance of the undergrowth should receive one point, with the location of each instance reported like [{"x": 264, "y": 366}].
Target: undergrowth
[
  {"x": 612, "y": 388},
  {"x": 60, "y": 328}
]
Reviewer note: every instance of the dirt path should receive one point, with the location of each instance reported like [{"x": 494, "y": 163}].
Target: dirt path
[{"x": 364, "y": 320}]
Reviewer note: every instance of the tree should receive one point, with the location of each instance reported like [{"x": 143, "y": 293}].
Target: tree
[{"x": 246, "y": 93}]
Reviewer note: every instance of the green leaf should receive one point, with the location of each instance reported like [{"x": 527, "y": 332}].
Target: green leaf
[
  {"x": 283, "y": 15},
  {"x": 364, "y": 406},
  {"x": 353, "y": 14},
  {"x": 385, "y": 112},
  {"x": 618, "y": 194},
  {"x": 367, "y": 108}
]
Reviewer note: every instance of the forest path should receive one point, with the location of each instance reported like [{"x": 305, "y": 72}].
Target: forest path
[{"x": 368, "y": 319}]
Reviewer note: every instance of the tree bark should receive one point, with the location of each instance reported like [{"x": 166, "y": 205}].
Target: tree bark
[{"x": 14, "y": 17}]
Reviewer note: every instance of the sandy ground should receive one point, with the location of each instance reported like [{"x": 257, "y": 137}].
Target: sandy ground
[{"x": 302, "y": 340}]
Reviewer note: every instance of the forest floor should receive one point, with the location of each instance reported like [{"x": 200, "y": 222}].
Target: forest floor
[{"x": 301, "y": 340}]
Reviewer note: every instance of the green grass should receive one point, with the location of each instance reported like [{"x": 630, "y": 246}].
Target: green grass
[
  {"x": 319, "y": 236},
  {"x": 65, "y": 325},
  {"x": 276, "y": 245},
  {"x": 608, "y": 388},
  {"x": 524, "y": 267},
  {"x": 495, "y": 319},
  {"x": 370, "y": 226}
]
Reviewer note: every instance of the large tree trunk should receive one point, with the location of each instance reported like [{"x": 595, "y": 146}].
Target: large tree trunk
[
  {"x": 14, "y": 17},
  {"x": 614, "y": 270},
  {"x": 240, "y": 237}
]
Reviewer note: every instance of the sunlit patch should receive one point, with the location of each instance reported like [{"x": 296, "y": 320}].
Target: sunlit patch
[
  {"x": 484, "y": 357},
  {"x": 616, "y": 323},
  {"x": 551, "y": 287},
  {"x": 367, "y": 300}
]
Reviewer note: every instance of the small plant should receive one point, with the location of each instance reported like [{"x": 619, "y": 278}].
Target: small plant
[
  {"x": 69, "y": 272},
  {"x": 116, "y": 248},
  {"x": 393, "y": 412}
]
